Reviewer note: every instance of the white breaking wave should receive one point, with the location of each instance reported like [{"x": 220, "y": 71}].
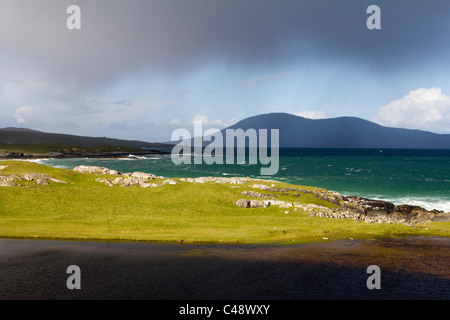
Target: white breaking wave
[
  {"x": 40, "y": 161},
  {"x": 230, "y": 174},
  {"x": 427, "y": 203},
  {"x": 132, "y": 156}
]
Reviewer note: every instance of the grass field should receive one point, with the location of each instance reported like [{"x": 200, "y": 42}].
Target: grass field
[{"x": 84, "y": 208}]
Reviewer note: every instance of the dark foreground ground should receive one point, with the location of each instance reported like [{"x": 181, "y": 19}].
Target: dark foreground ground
[{"x": 411, "y": 268}]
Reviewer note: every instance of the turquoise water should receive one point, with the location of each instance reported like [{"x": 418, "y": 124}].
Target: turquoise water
[{"x": 416, "y": 177}]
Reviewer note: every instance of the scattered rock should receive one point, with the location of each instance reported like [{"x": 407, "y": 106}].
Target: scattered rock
[
  {"x": 125, "y": 179},
  {"x": 28, "y": 177},
  {"x": 441, "y": 217},
  {"x": 247, "y": 203},
  {"x": 377, "y": 211},
  {"x": 41, "y": 176},
  {"x": 244, "y": 203},
  {"x": 96, "y": 170},
  {"x": 41, "y": 179},
  {"x": 7, "y": 184},
  {"x": 56, "y": 180},
  {"x": 356, "y": 208},
  {"x": 262, "y": 187},
  {"x": 10, "y": 178},
  {"x": 105, "y": 181},
  {"x": 234, "y": 180},
  {"x": 142, "y": 175},
  {"x": 257, "y": 194},
  {"x": 129, "y": 182},
  {"x": 42, "y": 182},
  {"x": 2, "y": 167}
]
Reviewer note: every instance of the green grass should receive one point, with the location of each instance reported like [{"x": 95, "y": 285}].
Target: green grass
[{"x": 195, "y": 213}]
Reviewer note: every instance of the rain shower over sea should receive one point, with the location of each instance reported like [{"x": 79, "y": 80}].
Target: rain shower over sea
[{"x": 401, "y": 176}]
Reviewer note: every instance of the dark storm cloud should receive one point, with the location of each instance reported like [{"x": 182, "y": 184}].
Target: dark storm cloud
[{"x": 173, "y": 36}]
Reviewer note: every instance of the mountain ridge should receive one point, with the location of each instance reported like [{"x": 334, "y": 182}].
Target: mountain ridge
[
  {"x": 295, "y": 131},
  {"x": 342, "y": 132}
]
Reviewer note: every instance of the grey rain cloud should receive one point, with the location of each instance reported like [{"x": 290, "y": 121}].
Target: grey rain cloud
[{"x": 170, "y": 37}]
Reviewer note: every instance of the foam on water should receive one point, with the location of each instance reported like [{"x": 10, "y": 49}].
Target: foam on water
[
  {"x": 40, "y": 161},
  {"x": 426, "y": 203}
]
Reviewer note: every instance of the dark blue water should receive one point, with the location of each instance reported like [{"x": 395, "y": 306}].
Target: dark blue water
[
  {"x": 416, "y": 177},
  {"x": 411, "y": 268}
]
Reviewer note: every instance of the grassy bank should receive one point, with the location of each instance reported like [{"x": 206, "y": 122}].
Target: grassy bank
[{"x": 83, "y": 208}]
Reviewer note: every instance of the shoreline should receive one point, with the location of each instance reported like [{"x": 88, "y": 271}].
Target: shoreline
[
  {"x": 319, "y": 241},
  {"x": 140, "y": 207},
  {"x": 106, "y": 155}
]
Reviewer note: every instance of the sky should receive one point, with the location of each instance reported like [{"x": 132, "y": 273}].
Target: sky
[{"x": 139, "y": 69}]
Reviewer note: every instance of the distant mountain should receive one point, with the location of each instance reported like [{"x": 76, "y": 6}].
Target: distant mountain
[
  {"x": 342, "y": 132},
  {"x": 295, "y": 131},
  {"x": 28, "y": 136}
]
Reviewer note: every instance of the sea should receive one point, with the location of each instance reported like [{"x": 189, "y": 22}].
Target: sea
[{"x": 401, "y": 176}]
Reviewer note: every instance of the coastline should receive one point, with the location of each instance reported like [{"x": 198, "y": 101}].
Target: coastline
[
  {"x": 57, "y": 155},
  {"x": 114, "y": 206}
]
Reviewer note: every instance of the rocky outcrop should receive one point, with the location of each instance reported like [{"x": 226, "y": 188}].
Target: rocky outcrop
[
  {"x": 258, "y": 194},
  {"x": 10, "y": 178},
  {"x": 356, "y": 208},
  {"x": 168, "y": 181},
  {"x": 131, "y": 182},
  {"x": 96, "y": 170},
  {"x": 42, "y": 182},
  {"x": 330, "y": 196},
  {"x": 246, "y": 203},
  {"x": 233, "y": 180},
  {"x": 222, "y": 180},
  {"x": 142, "y": 175},
  {"x": 382, "y": 211},
  {"x": 39, "y": 178},
  {"x": 127, "y": 182},
  {"x": 140, "y": 179},
  {"x": 7, "y": 184}
]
